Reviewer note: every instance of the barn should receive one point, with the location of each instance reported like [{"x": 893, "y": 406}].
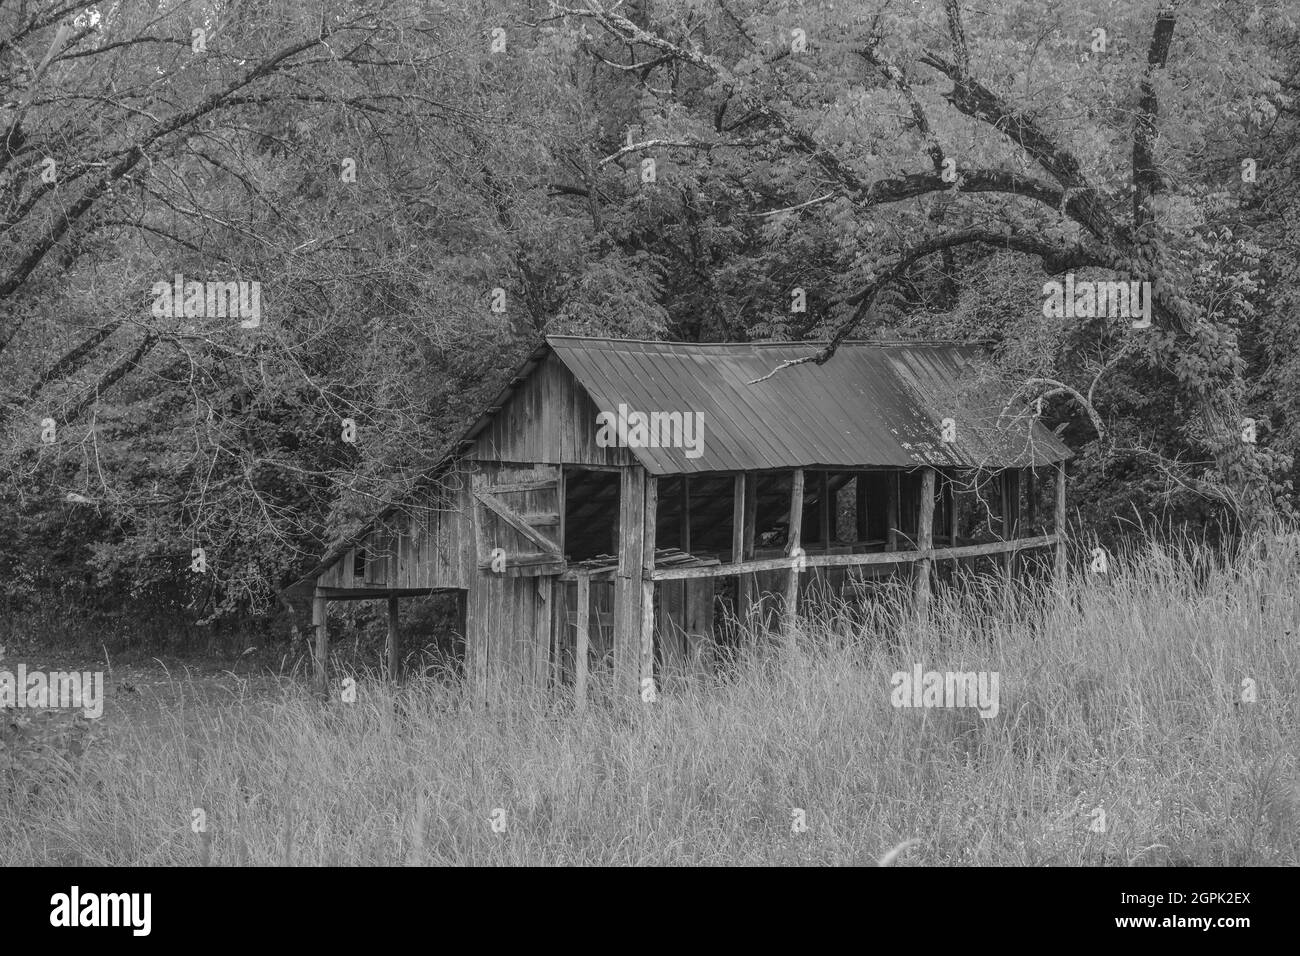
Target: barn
[{"x": 621, "y": 501}]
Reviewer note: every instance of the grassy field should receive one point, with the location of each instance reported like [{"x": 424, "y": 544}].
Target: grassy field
[{"x": 1124, "y": 694}]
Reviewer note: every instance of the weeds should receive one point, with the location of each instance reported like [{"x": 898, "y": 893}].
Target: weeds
[{"x": 1121, "y": 694}]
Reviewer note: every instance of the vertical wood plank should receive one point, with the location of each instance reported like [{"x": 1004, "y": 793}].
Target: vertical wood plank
[
  {"x": 1010, "y": 517},
  {"x": 699, "y": 625},
  {"x": 561, "y": 496},
  {"x": 583, "y": 640},
  {"x": 686, "y": 513},
  {"x": 1031, "y": 500},
  {"x": 891, "y": 520},
  {"x": 738, "y": 519},
  {"x": 1059, "y": 526},
  {"x": 628, "y": 586},
  {"x": 393, "y": 638},
  {"x": 542, "y": 650},
  {"x": 481, "y": 550},
  {"x": 793, "y": 546},
  {"x": 739, "y": 508},
  {"x": 320, "y": 623},
  {"x": 924, "y": 540},
  {"x": 751, "y": 520},
  {"x": 647, "y": 657},
  {"x": 952, "y": 512},
  {"x": 478, "y": 625},
  {"x": 824, "y": 509}
]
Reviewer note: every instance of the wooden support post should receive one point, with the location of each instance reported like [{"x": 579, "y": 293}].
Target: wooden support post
[
  {"x": 647, "y": 656},
  {"x": 743, "y": 513},
  {"x": 393, "y": 638},
  {"x": 1010, "y": 503},
  {"x": 686, "y": 514},
  {"x": 320, "y": 623},
  {"x": 952, "y": 510},
  {"x": 1059, "y": 526},
  {"x": 793, "y": 547},
  {"x": 1031, "y": 499},
  {"x": 824, "y": 510},
  {"x": 924, "y": 541},
  {"x": 751, "y": 519},
  {"x": 583, "y": 641},
  {"x": 853, "y": 560},
  {"x": 1004, "y": 506},
  {"x": 738, "y": 520},
  {"x": 891, "y": 520},
  {"x": 628, "y": 583},
  {"x": 860, "y": 505},
  {"x": 543, "y": 648},
  {"x": 738, "y": 541}
]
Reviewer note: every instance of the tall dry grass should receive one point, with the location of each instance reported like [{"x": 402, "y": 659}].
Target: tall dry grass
[{"x": 1121, "y": 693}]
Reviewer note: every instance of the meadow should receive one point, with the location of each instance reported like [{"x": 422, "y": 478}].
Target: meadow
[{"x": 1147, "y": 716}]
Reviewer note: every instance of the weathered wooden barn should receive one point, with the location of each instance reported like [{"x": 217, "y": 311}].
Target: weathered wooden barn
[{"x": 621, "y": 501}]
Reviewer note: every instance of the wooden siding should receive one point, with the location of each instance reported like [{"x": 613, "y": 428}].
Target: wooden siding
[
  {"x": 511, "y": 617},
  {"x": 509, "y": 643},
  {"x": 550, "y": 420},
  {"x": 426, "y": 545}
]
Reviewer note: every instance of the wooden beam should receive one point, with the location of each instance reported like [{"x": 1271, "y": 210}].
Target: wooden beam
[
  {"x": 583, "y": 641},
  {"x": 852, "y": 560},
  {"x": 548, "y": 519},
  {"x": 393, "y": 638},
  {"x": 372, "y": 594},
  {"x": 320, "y": 623},
  {"x": 924, "y": 540},
  {"x": 527, "y": 559},
  {"x": 604, "y": 574},
  {"x": 648, "y": 583},
  {"x": 1059, "y": 526},
  {"x": 523, "y": 487},
  {"x": 793, "y": 546},
  {"x": 516, "y": 521}
]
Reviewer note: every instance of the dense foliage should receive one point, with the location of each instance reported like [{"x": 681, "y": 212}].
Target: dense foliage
[{"x": 424, "y": 189}]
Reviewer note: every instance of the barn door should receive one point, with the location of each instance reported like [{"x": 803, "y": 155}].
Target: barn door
[{"x": 517, "y": 521}]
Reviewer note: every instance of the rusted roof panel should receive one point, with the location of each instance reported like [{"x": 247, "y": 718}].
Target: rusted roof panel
[{"x": 870, "y": 405}]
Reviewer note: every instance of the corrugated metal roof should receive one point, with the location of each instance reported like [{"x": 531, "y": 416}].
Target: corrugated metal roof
[{"x": 870, "y": 405}]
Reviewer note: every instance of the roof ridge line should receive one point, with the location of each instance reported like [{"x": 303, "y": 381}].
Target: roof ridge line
[{"x": 808, "y": 342}]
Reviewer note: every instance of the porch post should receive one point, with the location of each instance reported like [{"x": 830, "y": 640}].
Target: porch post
[
  {"x": 791, "y": 608},
  {"x": 319, "y": 620},
  {"x": 1059, "y": 527},
  {"x": 393, "y": 638},
  {"x": 924, "y": 540},
  {"x": 628, "y": 585},
  {"x": 647, "y": 654},
  {"x": 583, "y": 640}
]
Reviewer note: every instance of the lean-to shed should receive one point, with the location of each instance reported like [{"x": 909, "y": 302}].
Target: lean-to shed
[{"x": 621, "y": 500}]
